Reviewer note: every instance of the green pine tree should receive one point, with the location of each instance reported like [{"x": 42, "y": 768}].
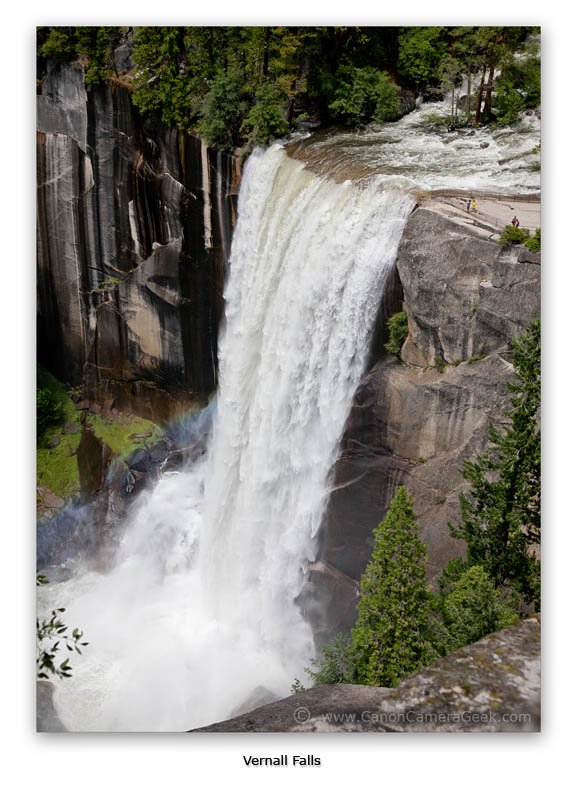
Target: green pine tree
[
  {"x": 501, "y": 512},
  {"x": 474, "y": 607},
  {"x": 389, "y": 637}
]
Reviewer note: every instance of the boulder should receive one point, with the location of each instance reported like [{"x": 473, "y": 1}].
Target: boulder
[
  {"x": 93, "y": 457},
  {"x": 123, "y": 61}
]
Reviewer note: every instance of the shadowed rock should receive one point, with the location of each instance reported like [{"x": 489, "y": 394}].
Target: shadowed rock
[
  {"x": 93, "y": 457},
  {"x": 134, "y": 230},
  {"x": 47, "y": 720}
]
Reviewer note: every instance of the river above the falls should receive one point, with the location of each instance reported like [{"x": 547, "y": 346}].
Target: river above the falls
[{"x": 423, "y": 155}]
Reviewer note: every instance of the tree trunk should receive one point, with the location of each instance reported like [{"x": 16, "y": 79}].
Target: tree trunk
[
  {"x": 266, "y": 51},
  {"x": 337, "y": 41},
  {"x": 290, "y": 114},
  {"x": 488, "y": 103},
  {"x": 479, "y": 100},
  {"x": 468, "y": 93}
]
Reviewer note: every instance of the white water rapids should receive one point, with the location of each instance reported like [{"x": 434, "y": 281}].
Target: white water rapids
[{"x": 200, "y": 608}]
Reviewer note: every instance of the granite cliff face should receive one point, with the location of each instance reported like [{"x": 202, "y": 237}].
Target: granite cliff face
[
  {"x": 134, "y": 225},
  {"x": 414, "y": 422}
]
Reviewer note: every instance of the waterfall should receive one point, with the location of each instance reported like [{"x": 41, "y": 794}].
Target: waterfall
[{"x": 200, "y": 609}]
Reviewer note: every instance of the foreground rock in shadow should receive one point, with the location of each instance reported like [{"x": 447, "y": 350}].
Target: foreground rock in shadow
[
  {"x": 47, "y": 720},
  {"x": 492, "y": 685}
]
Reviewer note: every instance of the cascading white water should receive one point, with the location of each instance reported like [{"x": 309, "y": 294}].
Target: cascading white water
[{"x": 201, "y": 607}]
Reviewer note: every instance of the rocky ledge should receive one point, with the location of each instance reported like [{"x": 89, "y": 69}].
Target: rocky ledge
[{"x": 491, "y": 686}]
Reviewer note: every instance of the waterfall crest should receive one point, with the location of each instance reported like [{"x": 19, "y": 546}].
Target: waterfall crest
[{"x": 200, "y": 608}]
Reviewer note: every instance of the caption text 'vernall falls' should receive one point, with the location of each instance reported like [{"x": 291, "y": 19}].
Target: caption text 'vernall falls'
[{"x": 282, "y": 761}]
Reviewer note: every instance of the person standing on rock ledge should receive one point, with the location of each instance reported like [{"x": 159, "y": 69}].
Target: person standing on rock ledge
[
  {"x": 468, "y": 202},
  {"x": 515, "y": 222},
  {"x": 474, "y": 204}
]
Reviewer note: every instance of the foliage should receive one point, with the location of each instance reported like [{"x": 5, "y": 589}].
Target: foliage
[
  {"x": 513, "y": 236},
  {"x": 119, "y": 432},
  {"x": 56, "y": 44},
  {"x": 330, "y": 73},
  {"x": 501, "y": 512},
  {"x": 473, "y": 608},
  {"x": 420, "y": 53},
  {"x": 397, "y": 332},
  {"x": 518, "y": 236},
  {"x": 57, "y": 466},
  {"x": 297, "y": 686},
  {"x": 264, "y": 121},
  {"x": 336, "y": 664},
  {"x": 51, "y": 637},
  {"x": 438, "y": 57},
  {"x": 534, "y": 243},
  {"x": 439, "y": 363},
  {"x": 451, "y": 572},
  {"x": 517, "y": 88},
  {"x": 389, "y": 637},
  {"x": 364, "y": 94},
  {"x": 49, "y": 411},
  {"x": 221, "y": 111},
  {"x": 96, "y": 45},
  {"x": 162, "y": 87}
]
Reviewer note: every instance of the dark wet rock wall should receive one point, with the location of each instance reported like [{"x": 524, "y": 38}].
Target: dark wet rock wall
[{"x": 134, "y": 229}]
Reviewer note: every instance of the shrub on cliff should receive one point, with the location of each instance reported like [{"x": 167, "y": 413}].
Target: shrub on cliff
[
  {"x": 534, "y": 243},
  {"x": 57, "y": 44},
  {"x": 49, "y": 411},
  {"x": 397, "y": 332},
  {"x": 468, "y": 607},
  {"x": 336, "y": 665},
  {"x": 514, "y": 236}
]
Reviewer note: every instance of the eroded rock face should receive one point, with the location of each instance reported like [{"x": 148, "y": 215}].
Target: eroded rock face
[
  {"x": 134, "y": 227},
  {"x": 414, "y": 422},
  {"x": 490, "y": 686},
  {"x": 467, "y": 296}
]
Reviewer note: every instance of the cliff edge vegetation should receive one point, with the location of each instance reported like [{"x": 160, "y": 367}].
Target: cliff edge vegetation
[{"x": 247, "y": 85}]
